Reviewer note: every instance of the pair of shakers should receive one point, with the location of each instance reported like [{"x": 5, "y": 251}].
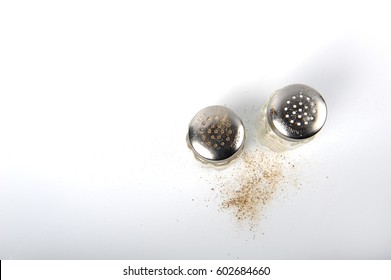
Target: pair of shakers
[{"x": 292, "y": 117}]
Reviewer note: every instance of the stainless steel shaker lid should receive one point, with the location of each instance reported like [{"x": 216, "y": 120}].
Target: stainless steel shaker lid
[
  {"x": 216, "y": 135},
  {"x": 296, "y": 112}
]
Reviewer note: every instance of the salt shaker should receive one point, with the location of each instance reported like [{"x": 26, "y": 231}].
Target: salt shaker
[
  {"x": 216, "y": 135},
  {"x": 292, "y": 117}
]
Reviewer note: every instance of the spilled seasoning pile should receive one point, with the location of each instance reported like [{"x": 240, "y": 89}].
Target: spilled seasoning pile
[{"x": 255, "y": 183}]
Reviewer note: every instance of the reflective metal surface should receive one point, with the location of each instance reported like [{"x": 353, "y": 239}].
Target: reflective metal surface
[
  {"x": 296, "y": 112},
  {"x": 216, "y": 135}
]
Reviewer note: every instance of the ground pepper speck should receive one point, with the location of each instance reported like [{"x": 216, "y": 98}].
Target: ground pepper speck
[{"x": 254, "y": 184}]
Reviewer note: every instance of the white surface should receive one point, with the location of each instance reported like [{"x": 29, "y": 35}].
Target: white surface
[
  {"x": 279, "y": 269},
  {"x": 96, "y": 96}
]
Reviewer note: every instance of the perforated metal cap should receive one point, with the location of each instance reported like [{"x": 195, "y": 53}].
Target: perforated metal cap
[
  {"x": 296, "y": 112},
  {"x": 216, "y": 135}
]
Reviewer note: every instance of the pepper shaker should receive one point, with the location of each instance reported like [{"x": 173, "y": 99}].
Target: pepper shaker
[{"x": 216, "y": 135}]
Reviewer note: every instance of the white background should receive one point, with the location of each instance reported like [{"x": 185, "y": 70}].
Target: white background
[
  {"x": 96, "y": 96},
  {"x": 279, "y": 269}
]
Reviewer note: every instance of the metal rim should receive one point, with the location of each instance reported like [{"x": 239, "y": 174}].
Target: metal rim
[
  {"x": 296, "y": 112},
  {"x": 216, "y": 135}
]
